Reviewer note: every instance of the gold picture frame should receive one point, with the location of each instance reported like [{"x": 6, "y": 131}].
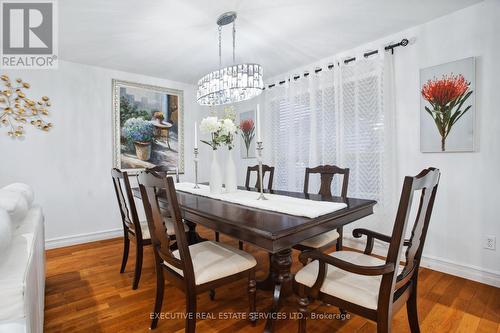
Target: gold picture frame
[{"x": 156, "y": 134}]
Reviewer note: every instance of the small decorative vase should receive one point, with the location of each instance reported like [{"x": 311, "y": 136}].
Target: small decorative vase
[
  {"x": 215, "y": 175},
  {"x": 230, "y": 181},
  {"x": 143, "y": 150}
]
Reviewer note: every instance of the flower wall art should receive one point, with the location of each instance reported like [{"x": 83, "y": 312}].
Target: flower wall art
[
  {"x": 447, "y": 107},
  {"x": 247, "y": 132}
]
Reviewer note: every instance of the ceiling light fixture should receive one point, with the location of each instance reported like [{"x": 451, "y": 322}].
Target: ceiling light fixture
[{"x": 231, "y": 84}]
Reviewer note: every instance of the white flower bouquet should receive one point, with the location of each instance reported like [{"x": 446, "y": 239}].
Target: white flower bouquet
[{"x": 221, "y": 131}]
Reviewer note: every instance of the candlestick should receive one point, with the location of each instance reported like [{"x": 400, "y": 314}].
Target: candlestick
[
  {"x": 260, "y": 147},
  {"x": 196, "y": 168},
  {"x": 259, "y": 139},
  {"x": 196, "y": 135}
]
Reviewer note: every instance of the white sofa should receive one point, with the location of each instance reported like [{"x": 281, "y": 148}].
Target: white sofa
[{"x": 22, "y": 261}]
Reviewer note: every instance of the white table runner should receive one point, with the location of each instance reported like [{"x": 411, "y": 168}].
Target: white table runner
[{"x": 276, "y": 203}]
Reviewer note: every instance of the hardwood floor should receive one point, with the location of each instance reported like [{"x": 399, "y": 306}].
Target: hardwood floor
[{"x": 86, "y": 293}]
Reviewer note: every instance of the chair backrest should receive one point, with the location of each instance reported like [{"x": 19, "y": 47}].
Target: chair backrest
[
  {"x": 151, "y": 185},
  {"x": 327, "y": 172},
  {"x": 427, "y": 182},
  {"x": 128, "y": 210},
  {"x": 165, "y": 170},
  {"x": 265, "y": 168}
]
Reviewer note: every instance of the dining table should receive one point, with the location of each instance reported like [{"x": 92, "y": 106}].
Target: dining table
[{"x": 271, "y": 231}]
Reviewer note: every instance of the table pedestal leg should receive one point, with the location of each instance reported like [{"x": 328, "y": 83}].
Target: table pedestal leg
[
  {"x": 267, "y": 284},
  {"x": 193, "y": 236},
  {"x": 280, "y": 281}
]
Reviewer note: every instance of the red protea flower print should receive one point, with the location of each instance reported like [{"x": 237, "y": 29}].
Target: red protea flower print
[
  {"x": 445, "y": 90},
  {"x": 247, "y": 125},
  {"x": 446, "y": 97}
]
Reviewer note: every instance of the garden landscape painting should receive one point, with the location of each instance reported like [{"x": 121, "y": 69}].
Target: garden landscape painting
[{"x": 147, "y": 126}]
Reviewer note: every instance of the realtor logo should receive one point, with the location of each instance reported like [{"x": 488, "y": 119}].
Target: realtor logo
[{"x": 28, "y": 35}]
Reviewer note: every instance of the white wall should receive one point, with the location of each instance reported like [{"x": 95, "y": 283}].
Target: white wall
[
  {"x": 466, "y": 207},
  {"x": 467, "y": 203},
  {"x": 69, "y": 167}
]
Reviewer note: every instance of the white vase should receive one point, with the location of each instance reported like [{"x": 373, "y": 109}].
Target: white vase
[
  {"x": 215, "y": 175},
  {"x": 230, "y": 181}
]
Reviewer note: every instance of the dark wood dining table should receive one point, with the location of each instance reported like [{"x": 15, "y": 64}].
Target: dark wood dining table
[{"x": 271, "y": 231}]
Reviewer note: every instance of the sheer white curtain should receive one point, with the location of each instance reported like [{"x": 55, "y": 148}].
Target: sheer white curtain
[{"x": 343, "y": 116}]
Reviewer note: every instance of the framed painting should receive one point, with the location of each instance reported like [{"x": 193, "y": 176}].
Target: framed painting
[
  {"x": 147, "y": 126},
  {"x": 247, "y": 134},
  {"x": 447, "y": 107}
]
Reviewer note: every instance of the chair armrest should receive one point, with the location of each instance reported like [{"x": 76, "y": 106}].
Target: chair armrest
[
  {"x": 347, "y": 266},
  {"x": 324, "y": 259},
  {"x": 371, "y": 235}
]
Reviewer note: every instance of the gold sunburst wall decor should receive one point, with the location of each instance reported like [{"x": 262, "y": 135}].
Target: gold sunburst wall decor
[{"x": 16, "y": 109}]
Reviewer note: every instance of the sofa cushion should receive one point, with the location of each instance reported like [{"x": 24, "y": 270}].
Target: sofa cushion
[
  {"x": 5, "y": 231},
  {"x": 24, "y": 189},
  {"x": 15, "y": 204},
  {"x": 22, "y": 271}
]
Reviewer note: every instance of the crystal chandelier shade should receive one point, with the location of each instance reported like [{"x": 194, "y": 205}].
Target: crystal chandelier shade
[{"x": 231, "y": 84}]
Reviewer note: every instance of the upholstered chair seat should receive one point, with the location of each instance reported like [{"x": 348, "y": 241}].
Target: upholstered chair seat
[
  {"x": 319, "y": 241},
  {"x": 212, "y": 261},
  {"x": 168, "y": 223},
  {"x": 358, "y": 289}
]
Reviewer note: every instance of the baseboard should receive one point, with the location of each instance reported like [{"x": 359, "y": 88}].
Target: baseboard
[
  {"x": 82, "y": 238},
  {"x": 469, "y": 272}
]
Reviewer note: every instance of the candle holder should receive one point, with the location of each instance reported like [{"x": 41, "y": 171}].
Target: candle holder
[
  {"x": 196, "y": 168},
  {"x": 260, "y": 147}
]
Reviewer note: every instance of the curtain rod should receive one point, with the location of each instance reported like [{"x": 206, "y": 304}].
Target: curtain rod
[{"x": 404, "y": 42}]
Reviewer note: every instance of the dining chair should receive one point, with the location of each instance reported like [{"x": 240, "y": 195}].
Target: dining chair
[
  {"x": 250, "y": 169},
  {"x": 265, "y": 169},
  {"x": 133, "y": 229},
  {"x": 196, "y": 268},
  {"x": 368, "y": 286},
  {"x": 324, "y": 241},
  {"x": 165, "y": 170}
]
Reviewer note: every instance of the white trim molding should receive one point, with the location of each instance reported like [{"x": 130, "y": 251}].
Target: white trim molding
[
  {"x": 82, "y": 238},
  {"x": 469, "y": 272}
]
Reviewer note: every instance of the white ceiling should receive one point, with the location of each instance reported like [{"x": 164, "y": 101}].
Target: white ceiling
[{"x": 177, "y": 39}]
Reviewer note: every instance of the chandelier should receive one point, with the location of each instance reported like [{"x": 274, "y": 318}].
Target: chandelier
[{"x": 231, "y": 84}]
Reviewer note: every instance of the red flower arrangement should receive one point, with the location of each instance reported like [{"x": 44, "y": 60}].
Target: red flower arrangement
[
  {"x": 446, "y": 96},
  {"x": 247, "y": 127}
]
